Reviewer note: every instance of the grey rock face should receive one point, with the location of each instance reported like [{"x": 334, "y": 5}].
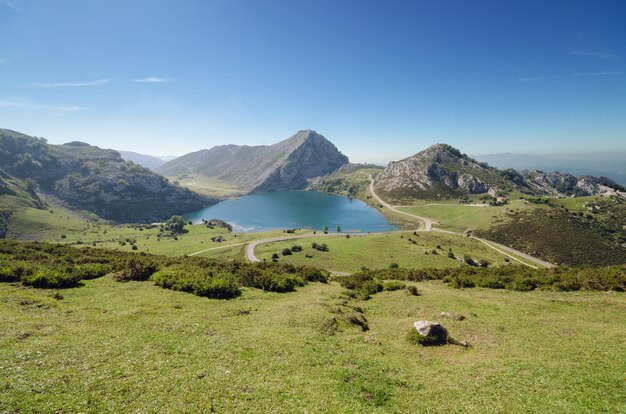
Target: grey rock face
[{"x": 433, "y": 330}]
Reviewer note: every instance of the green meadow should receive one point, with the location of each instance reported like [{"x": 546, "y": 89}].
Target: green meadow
[
  {"x": 134, "y": 347},
  {"x": 375, "y": 251}
]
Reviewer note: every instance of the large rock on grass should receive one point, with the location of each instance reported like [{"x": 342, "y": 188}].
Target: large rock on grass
[{"x": 431, "y": 333}]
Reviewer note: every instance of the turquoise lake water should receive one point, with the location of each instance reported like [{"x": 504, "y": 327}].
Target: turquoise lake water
[{"x": 294, "y": 209}]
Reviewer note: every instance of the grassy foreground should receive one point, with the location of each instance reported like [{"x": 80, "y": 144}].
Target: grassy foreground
[{"x": 134, "y": 347}]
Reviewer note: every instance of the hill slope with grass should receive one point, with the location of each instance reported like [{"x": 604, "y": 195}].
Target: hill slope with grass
[
  {"x": 561, "y": 236},
  {"x": 99, "y": 331},
  {"x": 94, "y": 179},
  {"x": 15, "y": 195},
  {"x": 286, "y": 165}
]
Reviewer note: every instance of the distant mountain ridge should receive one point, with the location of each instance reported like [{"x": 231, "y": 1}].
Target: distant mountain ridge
[
  {"x": 611, "y": 167},
  {"x": 441, "y": 170},
  {"x": 95, "y": 179},
  {"x": 144, "y": 160},
  {"x": 286, "y": 165}
]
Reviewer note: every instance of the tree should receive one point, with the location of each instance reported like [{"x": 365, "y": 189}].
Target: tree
[
  {"x": 175, "y": 224},
  {"x": 275, "y": 256},
  {"x": 325, "y": 229},
  {"x": 286, "y": 251},
  {"x": 338, "y": 229}
]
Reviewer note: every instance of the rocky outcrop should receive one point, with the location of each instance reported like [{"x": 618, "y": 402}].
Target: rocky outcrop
[
  {"x": 562, "y": 184},
  {"x": 438, "y": 170},
  {"x": 286, "y": 165},
  {"x": 443, "y": 171}
]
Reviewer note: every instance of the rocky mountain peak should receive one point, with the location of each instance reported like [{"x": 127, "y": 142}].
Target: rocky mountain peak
[{"x": 286, "y": 165}]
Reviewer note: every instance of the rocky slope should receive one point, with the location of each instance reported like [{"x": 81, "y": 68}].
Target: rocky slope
[
  {"x": 286, "y": 165},
  {"x": 441, "y": 170},
  {"x": 94, "y": 179}
]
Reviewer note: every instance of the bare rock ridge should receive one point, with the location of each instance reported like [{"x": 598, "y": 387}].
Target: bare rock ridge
[
  {"x": 286, "y": 165},
  {"x": 441, "y": 170}
]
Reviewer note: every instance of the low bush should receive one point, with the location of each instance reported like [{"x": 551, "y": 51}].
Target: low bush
[
  {"x": 51, "y": 278},
  {"x": 198, "y": 281},
  {"x": 136, "y": 269},
  {"x": 393, "y": 285},
  {"x": 413, "y": 290}
]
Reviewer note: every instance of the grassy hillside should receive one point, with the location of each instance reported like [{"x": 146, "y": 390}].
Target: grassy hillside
[
  {"x": 15, "y": 195},
  {"x": 119, "y": 348},
  {"x": 565, "y": 237},
  {"x": 95, "y": 179}
]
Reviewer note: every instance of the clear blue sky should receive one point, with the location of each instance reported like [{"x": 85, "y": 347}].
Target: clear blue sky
[{"x": 381, "y": 80}]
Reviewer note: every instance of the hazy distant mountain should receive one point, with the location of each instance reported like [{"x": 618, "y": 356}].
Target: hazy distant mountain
[
  {"x": 144, "y": 160},
  {"x": 286, "y": 165},
  {"x": 441, "y": 170},
  {"x": 611, "y": 167},
  {"x": 168, "y": 158},
  {"x": 95, "y": 179}
]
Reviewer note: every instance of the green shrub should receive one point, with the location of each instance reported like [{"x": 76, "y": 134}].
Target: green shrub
[
  {"x": 90, "y": 270},
  {"x": 13, "y": 272},
  {"x": 459, "y": 282},
  {"x": 393, "y": 285},
  {"x": 200, "y": 282},
  {"x": 51, "y": 278},
  {"x": 313, "y": 274},
  {"x": 413, "y": 290},
  {"x": 286, "y": 251},
  {"x": 136, "y": 269}
]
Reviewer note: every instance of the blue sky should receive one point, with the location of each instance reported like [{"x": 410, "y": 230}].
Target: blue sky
[{"x": 382, "y": 80}]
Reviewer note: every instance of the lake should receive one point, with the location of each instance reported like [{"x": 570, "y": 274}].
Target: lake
[{"x": 294, "y": 209}]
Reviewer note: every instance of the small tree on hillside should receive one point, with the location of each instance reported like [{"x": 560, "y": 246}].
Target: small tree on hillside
[{"x": 176, "y": 224}]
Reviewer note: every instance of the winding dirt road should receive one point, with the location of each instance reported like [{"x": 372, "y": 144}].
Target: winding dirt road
[{"x": 428, "y": 226}]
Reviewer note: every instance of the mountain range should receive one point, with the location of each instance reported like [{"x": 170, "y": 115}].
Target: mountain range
[
  {"x": 98, "y": 180},
  {"x": 286, "y": 165},
  {"x": 609, "y": 165}
]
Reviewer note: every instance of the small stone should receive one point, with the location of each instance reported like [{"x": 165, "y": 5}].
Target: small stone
[{"x": 452, "y": 315}]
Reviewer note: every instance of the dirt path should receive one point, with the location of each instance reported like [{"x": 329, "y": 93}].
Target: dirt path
[{"x": 217, "y": 248}]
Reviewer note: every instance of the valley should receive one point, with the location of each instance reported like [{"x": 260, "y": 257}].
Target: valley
[{"x": 338, "y": 272}]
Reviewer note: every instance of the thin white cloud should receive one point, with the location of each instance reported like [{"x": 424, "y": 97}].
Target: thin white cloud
[
  {"x": 67, "y": 84},
  {"x": 602, "y": 55},
  {"x": 153, "y": 79},
  {"x": 43, "y": 107},
  {"x": 570, "y": 75},
  {"x": 9, "y": 3}
]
